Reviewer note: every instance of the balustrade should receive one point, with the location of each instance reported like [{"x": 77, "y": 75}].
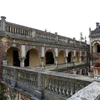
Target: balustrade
[
  {"x": 31, "y": 80},
  {"x": 17, "y": 29},
  {"x": 63, "y": 85}
]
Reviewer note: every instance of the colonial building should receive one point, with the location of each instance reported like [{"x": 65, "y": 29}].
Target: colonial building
[
  {"x": 33, "y": 49},
  {"x": 94, "y": 43}
]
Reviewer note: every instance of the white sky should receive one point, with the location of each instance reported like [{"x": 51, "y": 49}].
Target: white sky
[{"x": 67, "y": 17}]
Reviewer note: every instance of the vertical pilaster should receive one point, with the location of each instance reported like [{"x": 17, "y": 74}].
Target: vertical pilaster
[
  {"x": 22, "y": 64},
  {"x": 90, "y": 50},
  {"x": 66, "y": 60},
  {"x": 41, "y": 62},
  {"x": 22, "y": 56},
  {"x": 3, "y": 23},
  {"x": 56, "y": 62}
]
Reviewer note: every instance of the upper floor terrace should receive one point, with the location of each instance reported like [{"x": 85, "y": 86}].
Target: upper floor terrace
[{"x": 16, "y": 31}]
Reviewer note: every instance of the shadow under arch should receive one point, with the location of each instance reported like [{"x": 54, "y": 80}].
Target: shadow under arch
[
  {"x": 70, "y": 56},
  {"x": 49, "y": 57}
]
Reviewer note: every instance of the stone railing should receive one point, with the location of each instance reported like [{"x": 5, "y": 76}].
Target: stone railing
[
  {"x": 21, "y": 78},
  {"x": 71, "y": 64},
  {"x": 18, "y": 29},
  {"x": 31, "y": 81},
  {"x": 65, "y": 85}
]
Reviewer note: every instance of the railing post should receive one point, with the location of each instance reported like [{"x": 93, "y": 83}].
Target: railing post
[
  {"x": 41, "y": 62},
  {"x": 3, "y": 23},
  {"x": 56, "y": 62},
  {"x": 13, "y": 82},
  {"x": 39, "y": 91}
]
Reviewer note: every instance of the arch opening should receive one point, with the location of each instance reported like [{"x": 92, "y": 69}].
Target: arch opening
[
  {"x": 98, "y": 48},
  {"x": 77, "y": 57},
  {"x": 27, "y": 59},
  {"x": 61, "y": 57},
  {"x": 70, "y": 57},
  {"x": 32, "y": 58},
  {"x": 13, "y": 56},
  {"x": 49, "y": 57}
]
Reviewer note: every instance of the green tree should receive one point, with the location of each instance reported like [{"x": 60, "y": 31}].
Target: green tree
[{"x": 2, "y": 92}]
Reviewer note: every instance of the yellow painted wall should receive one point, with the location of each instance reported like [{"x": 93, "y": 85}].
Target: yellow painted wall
[
  {"x": 10, "y": 57},
  {"x": 34, "y": 59},
  {"x": 77, "y": 57},
  {"x": 61, "y": 58}
]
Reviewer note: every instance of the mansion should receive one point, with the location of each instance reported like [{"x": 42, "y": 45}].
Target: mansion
[{"x": 40, "y": 65}]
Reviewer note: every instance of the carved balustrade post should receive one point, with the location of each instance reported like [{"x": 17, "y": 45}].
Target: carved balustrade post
[
  {"x": 14, "y": 80},
  {"x": 39, "y": 91}
]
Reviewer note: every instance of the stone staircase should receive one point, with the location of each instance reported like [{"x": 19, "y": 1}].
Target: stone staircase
[{"x": 90, "y": 92}]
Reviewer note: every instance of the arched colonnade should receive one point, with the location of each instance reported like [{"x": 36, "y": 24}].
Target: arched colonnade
[{"x": 34, "y": 57}]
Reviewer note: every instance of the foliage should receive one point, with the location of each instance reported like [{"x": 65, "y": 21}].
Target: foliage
[{"x": 2, "y": 92}]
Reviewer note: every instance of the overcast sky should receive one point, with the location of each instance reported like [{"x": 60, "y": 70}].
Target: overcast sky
[{"x": 67, "y": 17}]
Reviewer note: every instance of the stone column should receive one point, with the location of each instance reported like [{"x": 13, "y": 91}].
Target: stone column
[
  {"x": 80, "y": 59},
  {"x": 22, "y": 63},
  {"x": 56, "y": 62},
  {"x": 74, "y": 59},
  {"x": 66, "y": 60},
  {"x": 3, "y": 23},
  {"x": 41, "y": 62}
]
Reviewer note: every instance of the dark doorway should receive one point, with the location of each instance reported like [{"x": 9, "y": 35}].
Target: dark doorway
[
  {"x": 49, "y": 58},
  {"x": 69, "y": 57},
  {"x": 98, "y": 48},
  {"x": 27, "y": 59},
  {"x": 16, "y": 61}
]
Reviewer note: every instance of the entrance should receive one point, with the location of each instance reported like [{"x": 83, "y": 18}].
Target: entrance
[
  {"x": 27, "y": 59},
  {"x": 49, "y": 58},
  {"x": 16, "y": 61}
]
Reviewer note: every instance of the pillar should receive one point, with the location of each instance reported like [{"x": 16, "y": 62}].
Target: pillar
[
  {"x": 74, "y": 55},
  {"x": 22, "y": 63},
  {"x": 66, "y": 60},
  {"x": 41, "y": 62},
  {"x": 3, "y": 23},
  {"x": 56, "y": 62},
  {"x": 80, "y": 59},
  {"x": 90, "y": 50}
]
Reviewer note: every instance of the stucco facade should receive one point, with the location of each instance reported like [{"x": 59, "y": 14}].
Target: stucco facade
[{"x": 28, "y": 48}]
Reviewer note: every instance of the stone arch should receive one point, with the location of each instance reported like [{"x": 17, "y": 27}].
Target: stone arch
[
  {"x": 61, "y": 57},
  {"x": 77, "y": 56},
  {"x": 49, "y": 56},
  {"x": 32, "y": 47},
  {"x": 70, "y": 56},
  {"x": 32, "y": 58},
  {"x": 13, "y": 56},
  {"x": 96, "y": 47}
]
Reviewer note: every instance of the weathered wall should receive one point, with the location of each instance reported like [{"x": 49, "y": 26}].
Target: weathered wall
[
  {"x": 61, "y": 58},
  {"x": 34, "y": 58}
]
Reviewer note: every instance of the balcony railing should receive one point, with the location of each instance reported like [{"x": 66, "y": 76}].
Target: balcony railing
[{"x": 32, "y": 80}]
